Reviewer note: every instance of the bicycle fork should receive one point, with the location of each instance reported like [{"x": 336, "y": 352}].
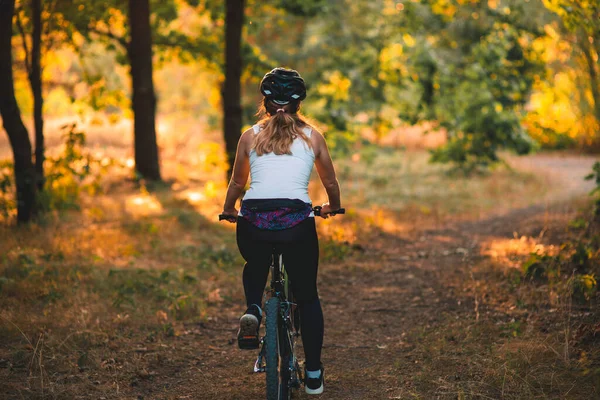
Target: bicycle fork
[{"x": 259, "y": 364}]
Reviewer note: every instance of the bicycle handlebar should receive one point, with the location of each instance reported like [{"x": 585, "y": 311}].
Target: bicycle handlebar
[
  {"x": 230, "y": 218},
  {"x": 316, "y": 210}
]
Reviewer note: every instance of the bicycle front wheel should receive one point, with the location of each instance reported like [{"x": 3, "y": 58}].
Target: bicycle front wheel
[{"x": 272, "y": 356}]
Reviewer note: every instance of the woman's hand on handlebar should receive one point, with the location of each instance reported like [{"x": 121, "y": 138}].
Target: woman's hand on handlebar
[
  {"x": 230, "y": 215},
  {"x": 327, "y": 210}
]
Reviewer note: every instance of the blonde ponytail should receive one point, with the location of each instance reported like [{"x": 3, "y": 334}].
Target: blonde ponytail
[{"x": 281, "y": 125}]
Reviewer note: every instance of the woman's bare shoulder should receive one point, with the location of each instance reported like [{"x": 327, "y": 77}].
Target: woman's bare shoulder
[
  {"x": 248, "y": 133},
  {"x": 316, "y": 134},
  {"x": 247, "y": 139},
  {"x": 317, "y": 140}
]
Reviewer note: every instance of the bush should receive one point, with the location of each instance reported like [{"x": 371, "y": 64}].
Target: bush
[
  {"x": 7, "y": 202},
  {"x": 482, "y": 103},
  {"x": 69, "y": 174},
  {"x": 584, "y": 287},
  {"x": 574, "y": 269},
  {"x": 538, "y": 266}
]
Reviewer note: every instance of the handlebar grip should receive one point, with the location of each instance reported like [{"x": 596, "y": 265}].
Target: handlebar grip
[
  {"x": 317, "y": 211},
  {"x": 229, "y": 218}
]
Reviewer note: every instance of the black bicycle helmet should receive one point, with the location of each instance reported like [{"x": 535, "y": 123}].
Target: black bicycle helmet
[{"x": 283, "y": 85}]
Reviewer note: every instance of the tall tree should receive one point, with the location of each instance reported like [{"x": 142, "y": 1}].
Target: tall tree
[
  {"x": 34, "y": 73},
  {"x": 13, "y": 124},
  {"x": 147, "y": 25},
  {"x": 139, "y": 51},
  {"x": 36, "y": 88},
  {"x": 232, "y": 108}
]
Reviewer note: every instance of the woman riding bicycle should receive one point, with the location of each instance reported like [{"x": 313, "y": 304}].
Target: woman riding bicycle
[{"x": 279, "y": 153}]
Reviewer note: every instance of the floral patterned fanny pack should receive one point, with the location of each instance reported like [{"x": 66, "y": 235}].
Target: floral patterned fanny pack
[{"x": 275, "y": 214}]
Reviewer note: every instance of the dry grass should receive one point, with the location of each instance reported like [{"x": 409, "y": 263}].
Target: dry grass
[{"x": 405, "y": 183}]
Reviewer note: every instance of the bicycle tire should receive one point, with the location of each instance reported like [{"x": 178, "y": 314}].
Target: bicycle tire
[{"x": 272, "y": 349}]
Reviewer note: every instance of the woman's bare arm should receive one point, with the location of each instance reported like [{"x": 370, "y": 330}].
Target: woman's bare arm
[
  {"x": 241, "y": 170},
  {"x": 325, "y": 169}
]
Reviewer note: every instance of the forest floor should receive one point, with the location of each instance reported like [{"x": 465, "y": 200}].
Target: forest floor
[{"x": 420, "y": 284}]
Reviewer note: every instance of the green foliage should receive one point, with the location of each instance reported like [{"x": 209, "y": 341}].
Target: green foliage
[
  {"x": 582, "y": 256},
  {"x": 578, "y": 223},
  {"x": 578, "y": 14},
  {"x": 71, "y": 172},
  {"x": 574, "y": 269},
  {"x": 375, "y": 66},
  {"x": 306, "y": 8},
  {"x": 584, "y": 287},
  {"x": 581, "y": 21},
  {"x": 216, "y": 258},
  {"x": 341, "y": 143},
  {"x": 481, "y": 97},
  {"x": 7, "y": 199},
  {"x": 571, "y": 272},
  {"x": 27, "y": 274},
  {"x": 68, "y": 174},
  {"x": 104, "y": 28},
  {"x": 167, "y": 289},
  {"x": 538, "y": 266},
  {"x": 578, "y": 259},
  {"x": 332, "y": 250}
]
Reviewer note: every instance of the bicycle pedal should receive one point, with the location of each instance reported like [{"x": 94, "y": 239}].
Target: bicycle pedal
[{"x": 248, "y": 342}]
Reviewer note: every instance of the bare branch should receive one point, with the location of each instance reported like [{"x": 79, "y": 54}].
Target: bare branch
[
  {"x": 51, "y": 9},
  {"x": 120, "y": 40},
  {"x": 24, "y": 40}
]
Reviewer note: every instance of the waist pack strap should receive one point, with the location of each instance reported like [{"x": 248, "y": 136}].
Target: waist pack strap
[{"x": 258, "y": 205}]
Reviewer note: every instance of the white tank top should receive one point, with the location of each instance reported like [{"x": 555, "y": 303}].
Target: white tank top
[{"x": 281, "y": 176}]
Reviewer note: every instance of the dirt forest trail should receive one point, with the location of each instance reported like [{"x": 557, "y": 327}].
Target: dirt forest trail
[{"x": 380, "y": 308}]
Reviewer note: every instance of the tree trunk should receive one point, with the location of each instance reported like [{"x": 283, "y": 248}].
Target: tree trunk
[
  {"x": 143, "y": 97},
  {"x": 11, "y": 117},
  {"x": 36, "y": 88},
  {"x": 232, "y": 108}
]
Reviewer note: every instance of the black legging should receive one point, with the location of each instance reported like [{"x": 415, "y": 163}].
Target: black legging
[{"x": 300, "y": 249}]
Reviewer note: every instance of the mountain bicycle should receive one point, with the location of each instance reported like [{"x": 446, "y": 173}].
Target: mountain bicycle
[{"x": 277, "y": 357}]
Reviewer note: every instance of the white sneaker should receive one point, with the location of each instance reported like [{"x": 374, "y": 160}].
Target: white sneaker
[{"x": 314, "y": 385}]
